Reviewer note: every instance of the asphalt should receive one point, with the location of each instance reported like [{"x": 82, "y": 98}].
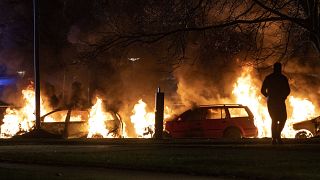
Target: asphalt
[{"x": 37, "y": 171}]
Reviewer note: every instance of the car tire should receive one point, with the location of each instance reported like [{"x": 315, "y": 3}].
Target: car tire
[
  {"x": 232, "y": 133},
  {"x": 303, "y": 135}
]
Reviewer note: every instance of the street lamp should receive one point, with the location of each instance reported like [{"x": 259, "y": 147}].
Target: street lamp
[{"x": 36, "y": 61}]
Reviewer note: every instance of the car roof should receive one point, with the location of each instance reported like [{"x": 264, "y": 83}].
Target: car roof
[
  {"x": 223, "y": 105},
  {"x": 57, "y": 110}
]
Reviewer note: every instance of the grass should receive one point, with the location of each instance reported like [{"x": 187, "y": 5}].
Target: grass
[{"x": 259, "y": 161}]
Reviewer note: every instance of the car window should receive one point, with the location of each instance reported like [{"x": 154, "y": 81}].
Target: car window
[
  {"x": 58, "y": 116},
  {"x": 79, "y": 116},
  {"x": 216, "y": 113},
  {"x": 238, "y": 112},
  {"x": 191, "y": 115}
]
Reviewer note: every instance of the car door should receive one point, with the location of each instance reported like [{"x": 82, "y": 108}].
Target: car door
[
  {"x": 188, "y": 124},
  {"x": 181, "y": 125},
  {"x": 214, "y": 122},
  {"x": 240, "y": 118},
  {"x": 196, "y": 124}
]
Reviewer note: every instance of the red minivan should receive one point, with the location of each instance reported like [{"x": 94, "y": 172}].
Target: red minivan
[{"x": 213, "y": 121}]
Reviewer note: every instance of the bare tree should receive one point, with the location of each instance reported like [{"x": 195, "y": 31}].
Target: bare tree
[{"x": 267, "y": 28}]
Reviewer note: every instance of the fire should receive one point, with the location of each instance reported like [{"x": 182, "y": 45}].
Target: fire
[
  {"x": 143, "y": 121},
  {"x": 98, "y": 121},
  {"x": 302, "y": 109},
  {"x": 247, "y": 92},
  {"x": 21, "y": 120}
]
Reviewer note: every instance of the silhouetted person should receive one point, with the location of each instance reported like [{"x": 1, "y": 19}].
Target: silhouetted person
[
  {"x": 50, "y": 91},
  {"x": 276, "y": 88},
  {"x": 77, "y": 96}
]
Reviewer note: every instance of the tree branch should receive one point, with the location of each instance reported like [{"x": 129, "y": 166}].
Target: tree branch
[{"x": 298, "y": 21}]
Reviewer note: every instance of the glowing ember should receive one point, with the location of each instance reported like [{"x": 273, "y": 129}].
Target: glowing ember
[
  {"x": 97, "y": 121},
  {"x": 247, "y": 92}
]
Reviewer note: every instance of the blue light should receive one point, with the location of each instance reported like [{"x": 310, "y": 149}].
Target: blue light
[{"x": 5, "y": 81}]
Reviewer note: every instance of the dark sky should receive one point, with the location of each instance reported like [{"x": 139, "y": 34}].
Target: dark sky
[{"x": 66, "y": 26}]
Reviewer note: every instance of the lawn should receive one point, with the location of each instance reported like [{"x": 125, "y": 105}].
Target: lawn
[{"x": 243, "y": 160}]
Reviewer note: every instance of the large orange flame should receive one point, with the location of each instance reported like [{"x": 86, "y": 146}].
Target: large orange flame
[
  {"x": 144, "y": 121},
  {"x": 21, "y": 120},
  {"x": 98, "y": 121}
]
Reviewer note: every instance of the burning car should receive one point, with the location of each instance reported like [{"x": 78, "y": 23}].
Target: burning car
[
  {"x": 213, "y": 121},
  {"x": 75, "y": 124},
  {"x": 308, "y": 128},
  {"x": 69, "y": 123}
]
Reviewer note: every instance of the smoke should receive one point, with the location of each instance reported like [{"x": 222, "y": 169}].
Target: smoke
[
  {"x": 206, "y": 76},
  {"x": 304, "y": 78},
  {"x": 199, "y": 85}
]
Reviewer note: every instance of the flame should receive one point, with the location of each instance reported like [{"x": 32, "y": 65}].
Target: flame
[
  {"x": 302, "y": 109},
  {"x": 168, "y": 112},
  {"x": 97, "y": 121},
  {"x": 247, "y": 92},
  {"x": 143, "y": 121},
  {"x": 21, "y": 120}
]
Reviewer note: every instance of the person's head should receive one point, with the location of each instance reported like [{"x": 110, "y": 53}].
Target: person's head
[{"x": 277, "y": 67}]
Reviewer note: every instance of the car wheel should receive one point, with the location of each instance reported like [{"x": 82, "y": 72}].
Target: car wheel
[
  {"x": 303, "y": 135},
  {"x": 97, "y": 136},
  {"x": 232, "y": 133}
]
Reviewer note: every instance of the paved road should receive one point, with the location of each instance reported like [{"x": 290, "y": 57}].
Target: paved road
[{"x": 34, "y": 171}]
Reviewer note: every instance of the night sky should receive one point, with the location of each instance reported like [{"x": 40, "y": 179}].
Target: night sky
[{"x": 185, "y": 47}]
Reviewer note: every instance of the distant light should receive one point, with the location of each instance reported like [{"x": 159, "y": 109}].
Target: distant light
[
  {"x": 21, "y": 73},
  {"x": 133, "y": 59}
]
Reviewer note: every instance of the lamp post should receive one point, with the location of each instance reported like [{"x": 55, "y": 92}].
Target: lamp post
[{"x": 36, "y": 61}]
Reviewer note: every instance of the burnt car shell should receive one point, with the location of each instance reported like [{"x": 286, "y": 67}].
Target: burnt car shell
[
  {"x": 77, "y": 125},
  {"x": 313, "y": 126}
]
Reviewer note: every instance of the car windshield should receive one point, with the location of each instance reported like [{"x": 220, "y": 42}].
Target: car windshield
[{"x": 60, "y": 116}]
